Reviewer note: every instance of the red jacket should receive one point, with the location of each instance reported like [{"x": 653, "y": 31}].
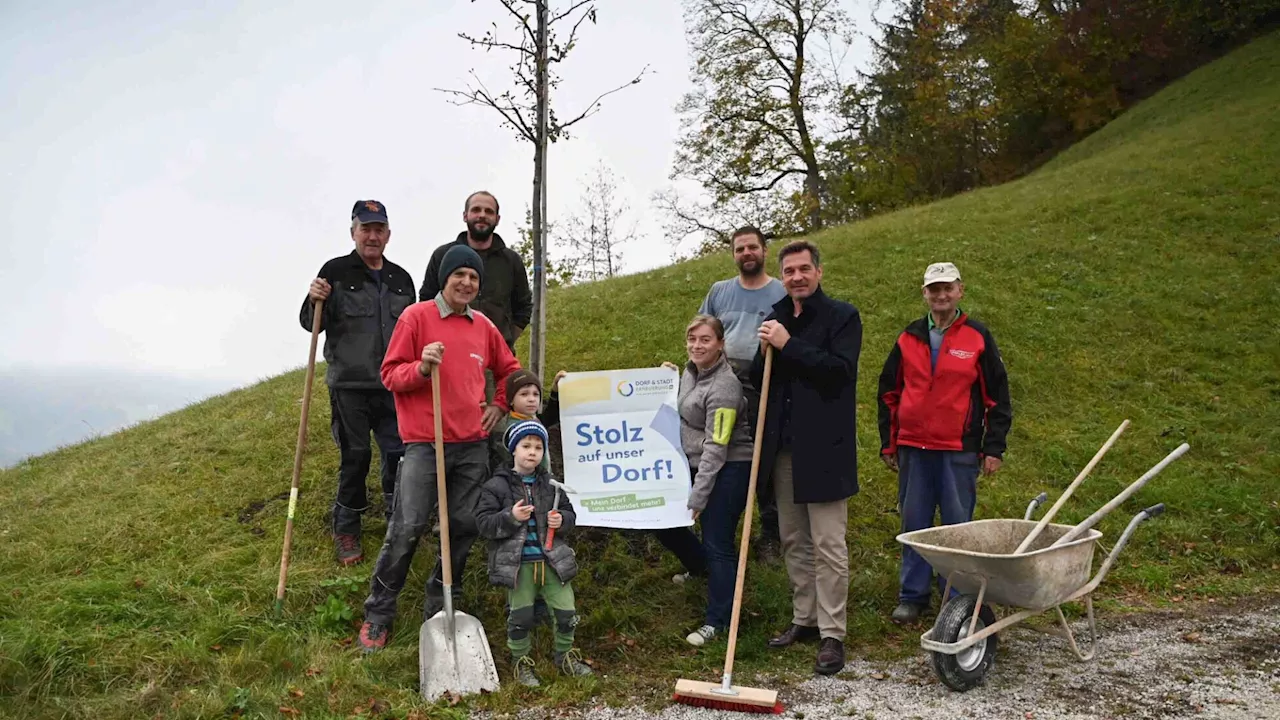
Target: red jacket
[
  {"x": 470, "y": 345},
  {"x": 963, "y": 404}
]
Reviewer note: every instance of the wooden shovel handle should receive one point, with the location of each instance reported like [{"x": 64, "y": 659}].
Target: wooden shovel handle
[
  {"x": 442, "y": 494},
  {"x": 299, "y": 448}
]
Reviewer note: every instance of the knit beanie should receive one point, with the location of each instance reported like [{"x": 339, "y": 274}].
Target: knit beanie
[
  {"x": 519, "y": 379},
  {"x": 523, "y": 428},
  {"x": 460, "y": 256}
]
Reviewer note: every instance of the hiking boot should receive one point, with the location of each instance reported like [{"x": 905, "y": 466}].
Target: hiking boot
[
  {"x": 794, "y": 634},
  {"x": 570, "y": 663},
  {"x": 830, "y": 657},
  {"x": 701, "y": 636},
  {"x": 522, "y": 669},
  {"x": 906, "y": 613},
  {"x": 348, "y": 547},
  {"x": 769, "y": 549},
  {"x": 373, "y": 636}
]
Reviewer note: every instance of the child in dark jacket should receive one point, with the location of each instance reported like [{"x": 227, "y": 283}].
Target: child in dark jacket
[
  {"x": 524, "y": 395},
  {"x": 514, "y": 513}
]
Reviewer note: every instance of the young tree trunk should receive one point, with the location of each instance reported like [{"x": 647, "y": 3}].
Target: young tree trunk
[{"x": 537, "y": 336}]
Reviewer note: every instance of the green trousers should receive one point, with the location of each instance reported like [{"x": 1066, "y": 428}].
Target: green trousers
[{"x": 534, "y": 579}]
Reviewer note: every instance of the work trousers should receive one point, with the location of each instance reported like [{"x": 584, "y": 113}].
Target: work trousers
[
  {"x": 539, "y": 580},
  {"x": 929, "y": 482},
  {"x": 466, "y": 470},
  {"x": 354, "y": 414},
  {"x": 816, "y": 553}
]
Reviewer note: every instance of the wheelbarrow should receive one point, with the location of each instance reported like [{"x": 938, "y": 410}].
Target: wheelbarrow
[{"x": 980, "y": 560}]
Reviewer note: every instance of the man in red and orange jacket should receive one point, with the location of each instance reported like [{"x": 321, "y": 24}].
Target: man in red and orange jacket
[{"x": 944, "y": 416}]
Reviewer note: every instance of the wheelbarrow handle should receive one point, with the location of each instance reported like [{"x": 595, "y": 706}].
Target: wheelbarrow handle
[
  {"x": 1149, "y": 513},
  {"x": 1036, "y": 502},
  {"x": 1093, "y": 519}
]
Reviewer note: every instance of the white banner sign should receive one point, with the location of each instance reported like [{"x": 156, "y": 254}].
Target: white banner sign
[{"x": 620, "y": 431}]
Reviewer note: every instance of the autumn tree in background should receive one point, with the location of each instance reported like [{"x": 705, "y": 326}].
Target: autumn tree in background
[
  {"x": 597, "y": 230},
  {"x": 762, "y": 76},
  {"x": 967, "y": 93}
]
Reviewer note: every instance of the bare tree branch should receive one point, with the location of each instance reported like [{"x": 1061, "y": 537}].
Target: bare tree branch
[{"x": 594, "y": 105}]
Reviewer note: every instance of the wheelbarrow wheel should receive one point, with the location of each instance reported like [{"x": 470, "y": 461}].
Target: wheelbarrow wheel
[{"x": 967, "y": 668}]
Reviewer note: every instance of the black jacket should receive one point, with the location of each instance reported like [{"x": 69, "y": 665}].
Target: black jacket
[
  {"x": 818, "y": 371},
  {"x": 505, "y": 296},
  {"x": 358, "y": 319},
  {"x": 506, "y": 534}
]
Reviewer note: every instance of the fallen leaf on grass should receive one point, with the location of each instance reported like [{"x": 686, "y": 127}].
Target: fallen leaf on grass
[
  {"x": 215, "y": 648},
  {"x": 291, "y": 712},
  {"x": 454, "y": 698},
  {"x": 879, "y": 676},
  {"x": 1192, "y": 637},
  {"x": 296, "y": 692},
  {"x": 313, "y": 671},
  {"x": 631, "y": 643},
  {"x": 1176, "y": 598}
]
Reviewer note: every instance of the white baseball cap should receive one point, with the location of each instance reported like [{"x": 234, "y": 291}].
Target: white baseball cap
[{"x": 941, "y": 272}]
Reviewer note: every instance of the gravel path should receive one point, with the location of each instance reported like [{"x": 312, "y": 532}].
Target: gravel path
[{"x": 1211, "y": 662}]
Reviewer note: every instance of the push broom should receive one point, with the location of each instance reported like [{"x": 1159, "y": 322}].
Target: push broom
[{"x": 725, "y": 695}]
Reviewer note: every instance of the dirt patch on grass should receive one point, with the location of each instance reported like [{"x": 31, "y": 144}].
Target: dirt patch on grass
[{"x": 249, "y": 514}]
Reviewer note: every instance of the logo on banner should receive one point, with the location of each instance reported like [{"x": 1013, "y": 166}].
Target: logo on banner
[{"x": 640, "y": 388}]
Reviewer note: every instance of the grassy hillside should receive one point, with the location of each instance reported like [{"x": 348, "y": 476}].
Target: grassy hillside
[{"x": 1132, "y": 277}]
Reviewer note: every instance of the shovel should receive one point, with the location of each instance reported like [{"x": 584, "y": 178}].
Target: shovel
[{"x": 453, "y": 651}]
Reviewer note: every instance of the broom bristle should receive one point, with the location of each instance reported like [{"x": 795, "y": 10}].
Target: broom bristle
[{"x": 775, "y": 709}]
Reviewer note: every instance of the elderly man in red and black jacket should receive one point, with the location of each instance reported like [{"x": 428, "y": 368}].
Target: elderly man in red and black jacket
[{"x": 944, "y": 416}]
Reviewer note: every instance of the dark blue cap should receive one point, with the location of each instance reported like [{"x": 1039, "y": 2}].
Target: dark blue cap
[{"x": 369, "y": 211}]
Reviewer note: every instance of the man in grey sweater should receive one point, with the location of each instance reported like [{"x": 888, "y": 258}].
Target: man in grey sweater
[{"x": 741, "y": 304}]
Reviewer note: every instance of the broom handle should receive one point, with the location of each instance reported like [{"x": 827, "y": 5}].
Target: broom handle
[
  {"x": 442, "y": 495},
  {"x": 745, "y": 545},
  {"x": 317, "y": 317},
  {"x": 1044, "y": 521}
]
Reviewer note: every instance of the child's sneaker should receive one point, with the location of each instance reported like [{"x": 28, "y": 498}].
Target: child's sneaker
[
  {"x": 373, "y": 636},
  {"x": 524, "y": 673},
  {"x": 571, "y": 664},
  {"x": 701, "y": 636}
]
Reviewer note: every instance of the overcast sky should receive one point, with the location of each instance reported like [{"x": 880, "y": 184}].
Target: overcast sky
[{"x": 172, "y": 177}]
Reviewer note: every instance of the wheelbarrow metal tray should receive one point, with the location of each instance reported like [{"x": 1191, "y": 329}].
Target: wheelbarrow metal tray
[{"x": 1038, "y": 579}]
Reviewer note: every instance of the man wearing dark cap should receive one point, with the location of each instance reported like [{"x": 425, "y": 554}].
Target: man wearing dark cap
[
  {"x": 506, "y": 298},
  {"x": 445, "y": 333},
  {"x": 364, "y": 294}
]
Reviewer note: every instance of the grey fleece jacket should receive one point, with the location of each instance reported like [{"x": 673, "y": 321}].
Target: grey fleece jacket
[{"x": 713, "y": 425}]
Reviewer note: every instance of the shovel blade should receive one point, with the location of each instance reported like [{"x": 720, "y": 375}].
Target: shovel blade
[{"x": 460, "y": 662}]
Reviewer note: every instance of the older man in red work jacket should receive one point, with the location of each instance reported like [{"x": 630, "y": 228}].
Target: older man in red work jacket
[
  {"x": 418, "y": 345},
  {"x": 944, "y": 416}
]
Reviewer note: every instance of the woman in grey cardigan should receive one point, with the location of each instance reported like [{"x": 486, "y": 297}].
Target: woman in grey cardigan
[{"x": 713, "y": 431}]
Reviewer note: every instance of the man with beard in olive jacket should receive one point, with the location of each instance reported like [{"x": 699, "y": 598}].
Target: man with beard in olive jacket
[
  {"x": 505, "y": 297},
  {"x": 364, "y": 294}
]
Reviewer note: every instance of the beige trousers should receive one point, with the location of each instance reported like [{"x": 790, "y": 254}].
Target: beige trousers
[{"x": 816, "y": 553}]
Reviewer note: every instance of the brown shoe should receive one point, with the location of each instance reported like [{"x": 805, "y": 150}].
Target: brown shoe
[
  {"x": 830, "y": 657},
  {"x": 794, "y": 634},
  {"x": 348, "y": 547}
]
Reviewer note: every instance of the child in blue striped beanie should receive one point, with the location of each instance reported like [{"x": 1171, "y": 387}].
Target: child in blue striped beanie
[{"x": 515, "y": 513}]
